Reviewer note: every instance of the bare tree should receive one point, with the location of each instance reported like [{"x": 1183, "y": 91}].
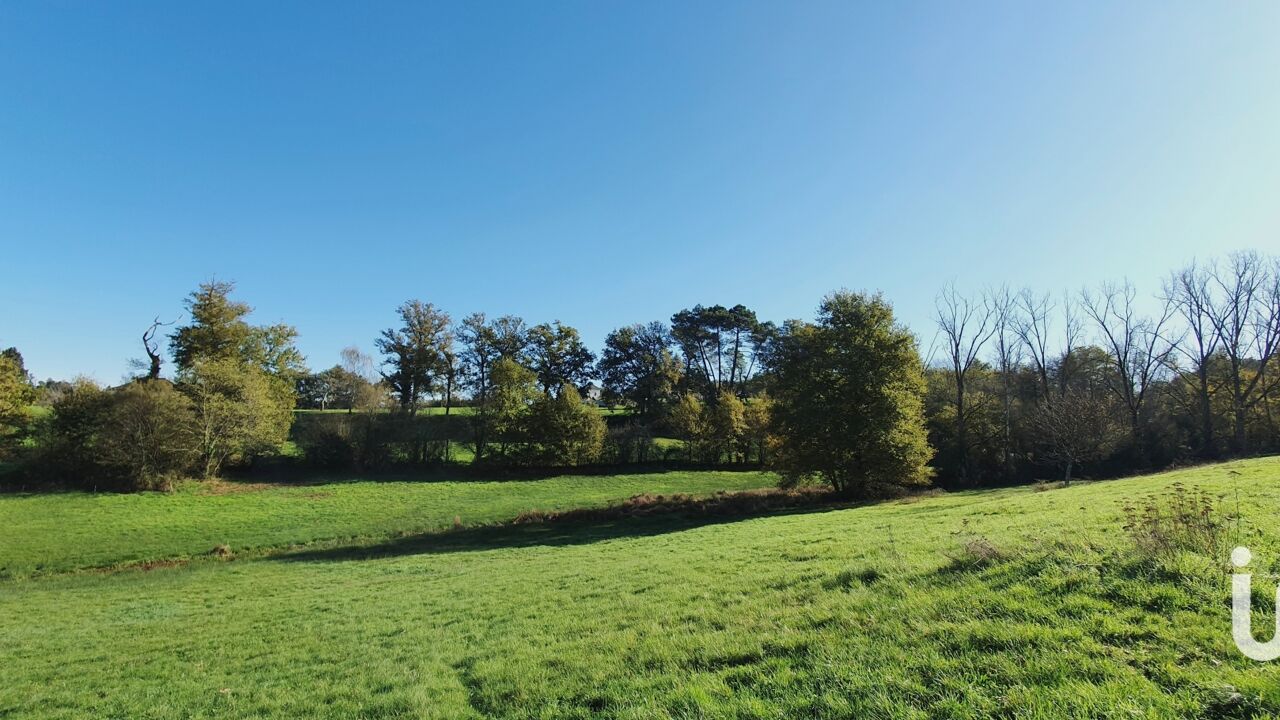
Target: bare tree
[
  {"x": 1070, "y": 338},
  {"x": 1139, "y": 352},
  {"x": 1002, "y": 304},
  {"x": 359, "y": 373},
  {"x": 1031, "y": 325},
  {"x": 1246, "y": 317},
  {"x": 966, "y": 326},
  {"x": 357, "y": 363},
  {"x": 152, "y": 348},
  {"x": 1075, "y": 429},
  {"x": 1189, "y": 292}
]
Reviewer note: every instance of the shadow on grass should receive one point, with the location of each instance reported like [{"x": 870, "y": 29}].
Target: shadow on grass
[
  {"x": 642, "y": 516},
  {"x": 289, "y": 472}
]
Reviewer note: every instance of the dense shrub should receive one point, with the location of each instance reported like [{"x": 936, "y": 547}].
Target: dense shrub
[
  {"x": 66, "y": 440},
  {"x": 375, "y": 438},
  {"x": 135, "y": 437},
  {"x": 240, "y": 411},
  {"x": 630, "y": 443},
  {"x": 329, "y": 446},
  {"x": 16, "y": 394},
  {"x": 147, "y": 434},
  {"x": 726, "y": 430},
  {"x": 563, "y": 431}
]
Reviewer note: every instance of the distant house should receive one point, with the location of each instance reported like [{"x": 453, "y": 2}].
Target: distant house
[{"x": 592, "y": 393}]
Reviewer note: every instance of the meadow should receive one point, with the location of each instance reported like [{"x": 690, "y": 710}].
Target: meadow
[
  {"x": 876, "y": 611},
  {"x": 43, "y": 533}
]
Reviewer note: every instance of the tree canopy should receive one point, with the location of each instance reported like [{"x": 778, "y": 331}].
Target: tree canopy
[
  {"x": 847, "y": 393},
  {"x": 415, "y": 352},
  {"x": 637, "y": 366}
]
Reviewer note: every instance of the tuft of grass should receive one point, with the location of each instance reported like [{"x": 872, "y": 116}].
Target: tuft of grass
[
  {"x": 975, "y": 550},
  {"x": 1179, "y": 519}
]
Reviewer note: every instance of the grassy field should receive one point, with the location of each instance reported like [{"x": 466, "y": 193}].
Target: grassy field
[
  {"x": 867, "y": 612},
  {"x": 61, "y": 532}
]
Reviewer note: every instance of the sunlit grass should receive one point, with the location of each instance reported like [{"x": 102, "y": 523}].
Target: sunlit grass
[
  {"x": 866, "y": 612},
  {"x": 43, "y": 533}
]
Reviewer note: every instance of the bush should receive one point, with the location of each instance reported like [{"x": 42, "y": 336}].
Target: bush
[
  {"x": 66, "y": 440},
  {"x": 632, "y": 443},
  {"x": 240, "y": 410},
  {"x": 15, "y": 394},
  {"x": 135, "y": 437},
  {"x": 564, "y": 431},
  {"x": 147, "y": 435},
  {"x": 327, "y": 446}
]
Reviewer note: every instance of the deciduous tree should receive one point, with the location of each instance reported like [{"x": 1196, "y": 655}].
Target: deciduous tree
[
  {"x": 638, "y": 367},
  {"x": 1246, "y": 317},
  {"x": 848, "y": 399},
  {"x": 16, "y": 393},
  {"x": 240, "y": 378},
  {"x": 1136, "y": 345},
  {"x": 559, "y": 357},
  {"x": 414, "y": 353},
  {"x": 563, "y": 431},
  {"x": 1189, "y": 292},
  {"x": 966, "y": 326},
  {"x": 240, "y": 411},
  {"x": 1076, "y": 428},
  {"x": 500, "y": 416}
]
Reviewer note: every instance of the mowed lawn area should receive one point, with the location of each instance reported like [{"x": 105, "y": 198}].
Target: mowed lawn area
[{"x": 866, "y": 612}]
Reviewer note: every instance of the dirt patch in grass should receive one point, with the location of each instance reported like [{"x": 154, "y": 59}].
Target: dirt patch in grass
[
  {"x": 227, "y": 487},
  {"x": 745, "y": 502},
  {"x": 144, "y": 566}
]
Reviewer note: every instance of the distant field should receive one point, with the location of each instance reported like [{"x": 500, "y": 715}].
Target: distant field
[
  {"x": 58, "y": 532},
  {"x": 869, "y": 612}
]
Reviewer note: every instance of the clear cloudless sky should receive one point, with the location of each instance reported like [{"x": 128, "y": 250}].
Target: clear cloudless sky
[{"x": 605, "y": 163}]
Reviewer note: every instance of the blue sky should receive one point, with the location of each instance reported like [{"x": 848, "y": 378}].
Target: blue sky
[{"x": 606, "y": 163}]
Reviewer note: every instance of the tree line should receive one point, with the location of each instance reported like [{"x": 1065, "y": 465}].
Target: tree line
[
  {"x": 1089, "y": 378},
  {"x": 1016, "y": 385}
]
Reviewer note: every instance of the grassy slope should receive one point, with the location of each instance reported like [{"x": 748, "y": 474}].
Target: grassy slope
[
  {"x": 44, "y": 533},
  {"x": 854, "y": 613}
]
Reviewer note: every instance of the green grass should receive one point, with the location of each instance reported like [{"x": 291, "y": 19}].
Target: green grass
[
  {"x": 853, "y": 613},
  {"x": 61, "y": 532}
]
